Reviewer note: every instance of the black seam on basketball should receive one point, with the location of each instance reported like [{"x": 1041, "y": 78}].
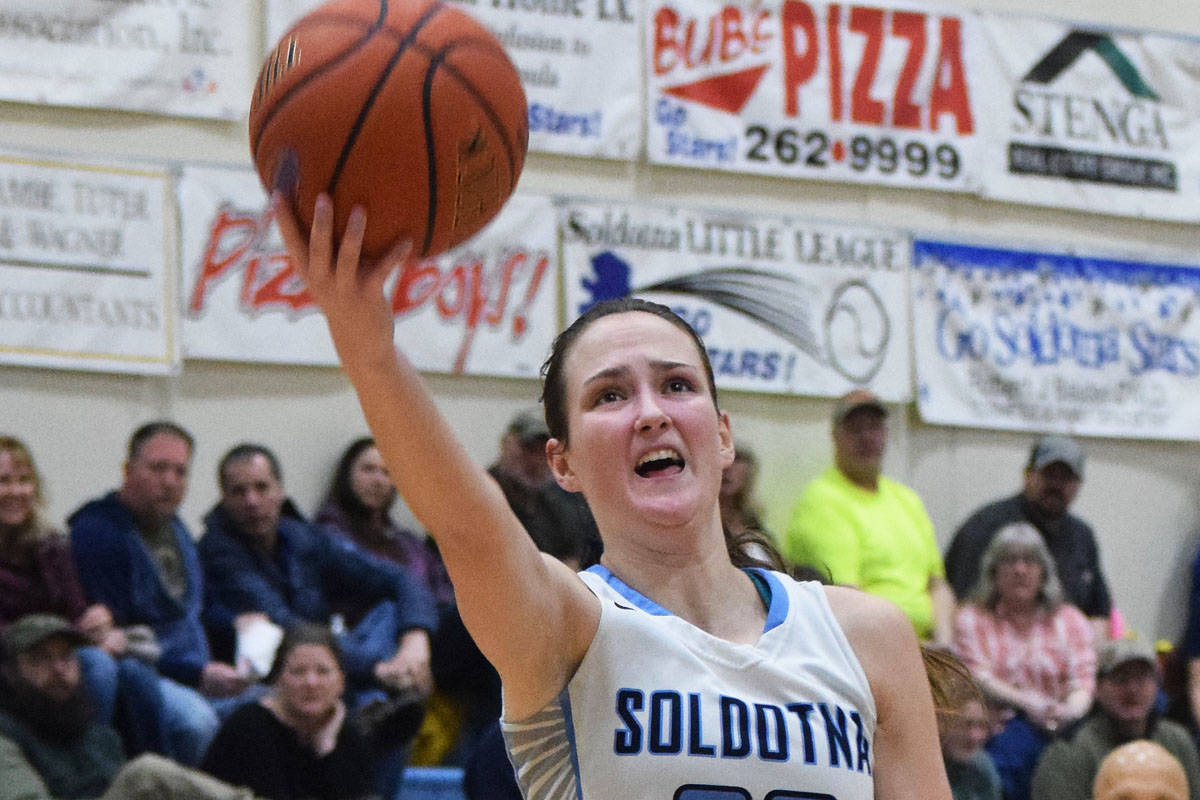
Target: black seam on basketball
[
  {"x": 300, "y": 84},
  {"x": 430, "y": 150},
  {"x": 482, "y": 101},
  {"x": 356, "y": 128}
]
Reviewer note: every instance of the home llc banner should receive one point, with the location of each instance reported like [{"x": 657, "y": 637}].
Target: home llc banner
[
  {"x": 882, "y": 92},
  {"x": 783, "y": 306},
  {"x": 1038, "y": 341},
  {"x": 484, "y": 308}
]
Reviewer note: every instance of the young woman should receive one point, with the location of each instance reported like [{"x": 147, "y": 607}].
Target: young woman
[{"x": 668, "y": 671}]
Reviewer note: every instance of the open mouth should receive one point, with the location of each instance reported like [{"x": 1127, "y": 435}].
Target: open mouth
[{"x": 659, "y": 462}]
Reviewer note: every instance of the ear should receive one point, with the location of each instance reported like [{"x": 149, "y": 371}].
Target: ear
[
  {"x": 725, "y": 432},
  {"x": 556, "y": 455}
]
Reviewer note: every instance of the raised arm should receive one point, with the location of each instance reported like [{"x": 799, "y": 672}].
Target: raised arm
[{"x": 531, "y": 616}]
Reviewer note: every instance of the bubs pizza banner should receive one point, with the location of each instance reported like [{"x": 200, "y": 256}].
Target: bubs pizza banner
[
  {"x": 876, "y": 93},
  {"x": 484, "y": 308},
  {"x": 784, "y": 306}
]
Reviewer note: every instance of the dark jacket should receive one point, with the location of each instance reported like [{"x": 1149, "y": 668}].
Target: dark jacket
[
  {"x": 116, "y": 569},
  {"x": 307, "y": 575}
]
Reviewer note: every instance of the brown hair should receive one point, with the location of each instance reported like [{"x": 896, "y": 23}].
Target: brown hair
[{"x": 950, "y": 681}]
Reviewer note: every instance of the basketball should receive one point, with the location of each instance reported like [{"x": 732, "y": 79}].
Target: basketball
[{"x": 409, "y": 108}]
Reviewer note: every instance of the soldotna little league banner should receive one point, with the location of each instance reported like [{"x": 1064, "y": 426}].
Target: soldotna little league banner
[
  {"x": 1090, "y": 119},
  {"x": 486, "y": 308},
  {"x": 783, "y": 306},
  {"x": 87, "y": 277},
  {"x": 883, "y": 92},
  {"x": 578, "y": 61},
  {"x": 1038, "y": 341},
  {"x": 180, "y": 57}
]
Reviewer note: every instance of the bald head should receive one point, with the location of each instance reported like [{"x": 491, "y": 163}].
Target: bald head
[{"x": 1140, "y": 770}]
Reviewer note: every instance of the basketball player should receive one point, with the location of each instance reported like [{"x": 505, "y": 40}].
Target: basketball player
[{"x": 666, "y": 671}]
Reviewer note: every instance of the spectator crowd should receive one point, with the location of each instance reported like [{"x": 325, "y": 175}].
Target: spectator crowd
[{"x": 285, "y": 657}]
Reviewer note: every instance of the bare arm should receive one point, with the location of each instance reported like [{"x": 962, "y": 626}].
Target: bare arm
[
  {"x": 944, "y": 608},
  {"x": 531, "y": 617},
  {"x": 908, "y": 757}
]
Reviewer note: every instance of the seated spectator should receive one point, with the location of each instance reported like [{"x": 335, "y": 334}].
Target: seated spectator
[
  {"x": 296, "y": 743},
  {"x": 51, "y": 746},
  {"x": 1052, "y": 478},
  {"x": 357, "y": 508},
  {"x": 963, "y": 727},
  {"x": 559, "y": 521},
  {"x": 37, "y": 575},
  {"x": 137, "y": 557},
  {"x": 259, "y": 564},
  {"x": 1140, "y": 771},
  {"x": 739, "y": 510},
  {"x": 1030, "y": 651},
  {"x": 1126, "y": 689}
]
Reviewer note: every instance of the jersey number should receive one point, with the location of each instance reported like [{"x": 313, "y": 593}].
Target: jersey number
[{"x": 696, "y": 791}]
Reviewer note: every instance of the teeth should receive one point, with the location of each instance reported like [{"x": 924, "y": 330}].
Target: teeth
[{"x": 658, "y": 455}]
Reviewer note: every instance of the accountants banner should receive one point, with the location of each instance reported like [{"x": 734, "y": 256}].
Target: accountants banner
[
  {"x": 1091, "y": 119},
  {"x": 181, "y": 57},
  {"x": 578, "y": 60},
  {"x": 880, "y": 92},
  {"x": 1038, "y": 341},
  {"x": 85, "y": 278},
  {"x": 783, "y": 305},
  {"x": 485, "y": 308}
]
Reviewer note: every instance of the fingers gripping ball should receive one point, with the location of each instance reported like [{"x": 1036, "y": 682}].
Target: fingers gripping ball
[{"x": 409, "y": 108}]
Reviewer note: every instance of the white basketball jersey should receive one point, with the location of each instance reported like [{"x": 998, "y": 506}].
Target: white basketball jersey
[{"x": 661, "y": 710}]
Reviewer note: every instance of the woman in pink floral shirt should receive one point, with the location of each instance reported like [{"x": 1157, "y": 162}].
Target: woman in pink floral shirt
[{"x": 1030, "y": 651}]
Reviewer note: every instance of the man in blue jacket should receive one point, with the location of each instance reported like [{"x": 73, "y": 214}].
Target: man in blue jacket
[
  {"x": 260, "y": 563},
  {"x": 136, "y": 556}
]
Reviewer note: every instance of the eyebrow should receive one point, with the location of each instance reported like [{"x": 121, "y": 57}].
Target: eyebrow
[{"x": 657, "y": 365}]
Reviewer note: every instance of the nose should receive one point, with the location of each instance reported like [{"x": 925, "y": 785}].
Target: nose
[{"x": 650, "y": 414}]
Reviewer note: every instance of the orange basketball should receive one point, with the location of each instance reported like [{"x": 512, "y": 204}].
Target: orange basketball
[{"x": 409, "y": 108}]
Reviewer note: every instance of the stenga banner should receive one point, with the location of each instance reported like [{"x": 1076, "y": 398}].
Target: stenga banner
[
  {"x": 1092, "y": 119},
  {"x": 881, "y": 92}
]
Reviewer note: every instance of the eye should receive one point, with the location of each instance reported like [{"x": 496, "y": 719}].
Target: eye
[
  {"x": 679, "y": 385},
  {"x": 606, "y": 396}
]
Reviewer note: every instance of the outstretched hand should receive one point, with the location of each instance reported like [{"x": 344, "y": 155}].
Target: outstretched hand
[{"x": 348, "y": 289}]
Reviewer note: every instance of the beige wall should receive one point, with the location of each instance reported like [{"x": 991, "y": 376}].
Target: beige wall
[{"x": 1142, "y": 497}]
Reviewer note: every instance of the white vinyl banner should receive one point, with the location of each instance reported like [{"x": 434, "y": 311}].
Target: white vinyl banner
[
  {"x": 883, "y": 92},
  {"x": 1039, "y": 341},
  {"x": 783, "y": 305},
  {"x": 486, "y": 308},
  {"x": 85, "y": 281},
  {"x": 578, "y": 61},
  {"x": 180, "y": 57},
  {"x": 1095, "y": 120}
]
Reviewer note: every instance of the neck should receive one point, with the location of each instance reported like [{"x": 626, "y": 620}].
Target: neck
[
  {"x": 1016, "y": 611},
  {"x": 865, "y": 478}
]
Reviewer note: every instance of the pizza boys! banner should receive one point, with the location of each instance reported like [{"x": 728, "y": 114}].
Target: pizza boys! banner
[
  {"x": 181, "y": 57},
  {"x": 1094, "y": 120},
  {"x": 871, "y": 93},
  {"x": 783, "y": 306},
  {"x": 84, "y": 277},
  {"x": 578, "y": 61},
  {"x": 485, "y": 308},
  {"x": 1049, "y": 342}
]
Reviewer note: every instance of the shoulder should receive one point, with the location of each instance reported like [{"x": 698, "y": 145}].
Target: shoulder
[
  {"x": 103, "y": 512},
  {"x": 875, "y": 627},
  {"x": 984, "y": 520}
]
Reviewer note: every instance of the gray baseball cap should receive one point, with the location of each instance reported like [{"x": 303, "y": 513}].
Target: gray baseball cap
[
  {"x": 1056, "y": 448},
  {"x": 32, "y": 629}
]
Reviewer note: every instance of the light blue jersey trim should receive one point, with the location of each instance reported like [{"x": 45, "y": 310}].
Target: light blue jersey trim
[
  {"x": 776, "y": 613},
  {"x": 564, "y": 702}
]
